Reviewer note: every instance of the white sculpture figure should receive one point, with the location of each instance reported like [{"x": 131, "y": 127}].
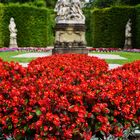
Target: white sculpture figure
[
  {"x": 128, "y": 35},
  {"x": 69, "y": 11},
  {"x": 76, "y": 11},
  {"x": 62, "y": 9},
  {"x": 13, "y": 34}
]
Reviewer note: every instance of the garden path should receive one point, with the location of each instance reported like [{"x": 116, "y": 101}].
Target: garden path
[{"x": 44, "y": 54}]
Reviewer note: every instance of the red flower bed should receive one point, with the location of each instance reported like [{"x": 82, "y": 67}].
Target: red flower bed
[
  {"x": 11, "y": 99},
  {"x": 69, "y": 96},
  {"x": 119, "y": 92}
]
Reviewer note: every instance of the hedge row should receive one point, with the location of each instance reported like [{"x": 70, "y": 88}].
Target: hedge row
[
  {"x": 137, "y": 25},
  {"x": 1, "y": 15},
  {"x": 34, "y": 25},
  {"x": 107, "y": 26}
]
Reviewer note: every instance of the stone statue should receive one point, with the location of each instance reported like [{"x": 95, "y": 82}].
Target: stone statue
[
  {"x": 62, "y": 8},
  {"x": 69, "y": 11},
  {"x": 128, "y": 35},
  {"x": 13, "y": 34},
  {"x": 70, "y": 27},
  {"x": 76, "y": 11}
]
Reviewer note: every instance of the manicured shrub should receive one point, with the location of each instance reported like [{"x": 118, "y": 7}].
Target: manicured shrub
[
  {"x": 105, "y": 28},
  {"x": 87, "y": 14},
  {"x": 137, "y": 29},
  {"x": 108, "y": 26},
  {"x": 1, "y": 26},
  {"x": 34, "y": 25}
]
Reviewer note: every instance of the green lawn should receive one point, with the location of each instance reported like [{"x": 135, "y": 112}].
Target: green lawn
[
  {"x": 129, "y": 55},
  {"x": 7, "y": 56}
]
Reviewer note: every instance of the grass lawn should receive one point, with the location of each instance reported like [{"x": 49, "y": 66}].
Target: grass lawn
[
  {"x": 7, "y": 56},
  {"x": 129, "y": 55}
]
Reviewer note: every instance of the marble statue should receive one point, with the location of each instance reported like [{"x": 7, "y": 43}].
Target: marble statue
[
  {"x": 69, "y": 11},
  {"x": 75, "y": 12},
  {"x": 70, "y": 27},
  {"x": 128, "y": 35},
  {"x": 13, "y": 34},
  {"x": 62, "y": 9}
]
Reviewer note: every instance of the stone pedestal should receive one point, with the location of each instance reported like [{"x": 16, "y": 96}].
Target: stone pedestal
[
  {"x": 13, "y": 44},
  {"x": 70, "y": 50},
  {"x": 13, "y": 34},
  {"x": 70, "y": 38},
  {"x": 128, "y": 43}
]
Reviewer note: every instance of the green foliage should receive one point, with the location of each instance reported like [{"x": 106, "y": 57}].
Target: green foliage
[
  {"x": 109, "y": 3},
  {"x": 51, "y": 3},
  {"x": 1, "y": 21},
  {"x": 137, "y": 29},
  {"x": 34, "y": 25},
  {"x": 14, "y": 1},
  {"x": 87, "y": 14},
  {"x": 104, "y": 27},
  {"x": 107, "y": 26},
  {"x": 102, "y": 3},
  {"x": 38, "y": 3},
  {"x": 130, "y": 2}
]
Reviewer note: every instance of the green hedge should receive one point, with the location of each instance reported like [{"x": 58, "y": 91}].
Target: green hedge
[
  {"x": 107, "y": 26},
  {"x": 137, "y": 29},
  {"x": 104, "y": 27},
  {"x": 1, "y": 25},
  {"x": 87, "y": 14},
  {"x": 34, "y": 25}
]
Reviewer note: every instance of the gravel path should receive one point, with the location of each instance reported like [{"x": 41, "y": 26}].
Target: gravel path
[{"x": 44, "y": 54}]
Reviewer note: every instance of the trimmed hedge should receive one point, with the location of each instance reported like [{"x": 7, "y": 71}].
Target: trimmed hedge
[
  {"x": 137, "y": 29},
  {"x": 34, "y": 25},
  {"x": 108, "y": 26},
  {"x": 105, "y": 27},
  {"x": 1, "y": 17},
  {"x": 87, "y": 14}
]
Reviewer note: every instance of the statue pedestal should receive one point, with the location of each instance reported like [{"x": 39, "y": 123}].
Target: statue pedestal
[
  {"x": 70, "y": 50},
  {"x": 70, "y": 38},
  {"x": 128, "y": 43},
  {"x": 13, "y": 46},
  {"x": 13, "y": 43}
]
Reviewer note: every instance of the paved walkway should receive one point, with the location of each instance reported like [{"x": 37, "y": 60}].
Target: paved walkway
[
  {"x": 107, "y": 56},
  {"x": 44, "y": 54},
  {"x": 113, "y": 66},
  {"x": 33, "y": 55},
  {"x": 24, "y": 64}
]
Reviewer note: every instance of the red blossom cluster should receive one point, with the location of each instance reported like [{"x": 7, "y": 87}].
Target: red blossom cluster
[
  {"x": 118, "y": 99},
  {"x": 70, "y": 96},
  {"x": 11, "y": 100}
]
